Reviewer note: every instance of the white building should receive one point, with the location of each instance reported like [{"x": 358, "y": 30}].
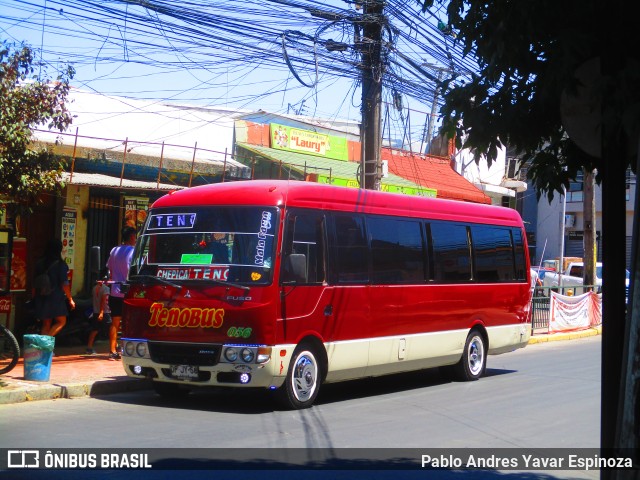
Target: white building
[
  {"x": 550, "y": 222},
  {"x": 500, "y": 181}
]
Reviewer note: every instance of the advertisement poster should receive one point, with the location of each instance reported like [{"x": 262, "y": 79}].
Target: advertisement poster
[
  {"x": 309, "y": 142},
  {"x": 5, "y": 304},
  {"x": 5, "y": 309},
  {"x": 19, "y": 265},
  {"x": 69, "y": 222},
  {"x": 135, "y": 212}
]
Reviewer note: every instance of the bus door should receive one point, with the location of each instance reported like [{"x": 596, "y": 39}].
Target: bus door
[
  {"x": 328, "y": 302},
  {"x": 304, "y": 293}
]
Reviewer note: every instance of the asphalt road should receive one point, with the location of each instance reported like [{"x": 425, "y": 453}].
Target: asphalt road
[{"x": 544, "y": 396}]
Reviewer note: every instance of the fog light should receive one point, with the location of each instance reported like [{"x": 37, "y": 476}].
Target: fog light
[
  {"x": 141, "y": 349},
  {"x": 244, "y": 378},
  {"x": 137, "y": 369}
]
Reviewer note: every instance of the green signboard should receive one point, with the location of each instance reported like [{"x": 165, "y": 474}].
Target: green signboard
[
  {"x": 308, "y": 142},
  {"x": 196, "y": 258}
]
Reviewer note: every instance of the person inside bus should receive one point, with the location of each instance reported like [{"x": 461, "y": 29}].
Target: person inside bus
[{"x": 219, "y": 248}]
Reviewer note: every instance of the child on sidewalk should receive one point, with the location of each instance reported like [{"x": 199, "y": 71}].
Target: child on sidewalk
[{"x": 101, "y": 318}]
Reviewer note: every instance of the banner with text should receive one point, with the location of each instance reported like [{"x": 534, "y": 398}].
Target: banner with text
[
  {"x": 575, "y": 313},
  {"x": 309, "y": 142},
  {"x": 69, "y": 223}
]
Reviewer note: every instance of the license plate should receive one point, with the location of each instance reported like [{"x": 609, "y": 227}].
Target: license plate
[{"x": 184, "y": 372}]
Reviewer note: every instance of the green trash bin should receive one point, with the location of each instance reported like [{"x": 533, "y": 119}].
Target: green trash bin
[{"x": 38, "y": 351}]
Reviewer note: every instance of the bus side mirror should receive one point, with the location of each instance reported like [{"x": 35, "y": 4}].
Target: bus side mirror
[{"x": 295, "y": 268}]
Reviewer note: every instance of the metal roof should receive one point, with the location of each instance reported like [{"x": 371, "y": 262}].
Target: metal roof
[{"x": 99, "y": 180}]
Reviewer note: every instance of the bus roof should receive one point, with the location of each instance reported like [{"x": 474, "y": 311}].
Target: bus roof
[{"x": 296, "y": 193}]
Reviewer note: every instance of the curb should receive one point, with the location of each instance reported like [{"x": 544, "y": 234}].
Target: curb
[
  {"x": 555, "y": 337},
  {"x": 27, "y": 392}
]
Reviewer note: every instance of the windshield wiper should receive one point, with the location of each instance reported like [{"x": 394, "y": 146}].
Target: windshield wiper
[
  {"x": 133, "y": 278},
  {"x": 190, "y": 280}
]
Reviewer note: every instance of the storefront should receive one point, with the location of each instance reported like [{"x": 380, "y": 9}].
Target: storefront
[{"x": 90, "y": 213}]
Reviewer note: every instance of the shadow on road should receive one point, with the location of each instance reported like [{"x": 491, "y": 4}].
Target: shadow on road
[{"x": 259, "y": 401}]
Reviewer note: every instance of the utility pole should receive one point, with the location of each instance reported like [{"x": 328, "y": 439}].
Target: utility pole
[
  {"x": 372, "y": 72},
  {"x": 589, "y": 228},
  {"x": 434, "y": 105}
]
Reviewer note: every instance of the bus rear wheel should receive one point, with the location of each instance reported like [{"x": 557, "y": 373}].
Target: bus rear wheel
[
  {"x": 302, "y": 383},
  {"x": 474, "y": 358}
]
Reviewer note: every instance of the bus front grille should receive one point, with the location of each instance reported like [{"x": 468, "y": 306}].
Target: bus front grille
[{"x": 197, "y": 354}]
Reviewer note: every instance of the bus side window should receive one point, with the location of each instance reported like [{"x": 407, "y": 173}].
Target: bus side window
[
  {"x": 519, "y": 254},
  {"x": 397, "y": 254},
  {"x": 304, "y": 238},
  {"x": 452, "y": 256},
  {"x": 493, "y": 254},
  {"x": 351, "y": 251}
]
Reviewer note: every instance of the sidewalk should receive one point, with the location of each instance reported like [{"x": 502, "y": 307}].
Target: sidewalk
[{"x": 74, "y": 374}]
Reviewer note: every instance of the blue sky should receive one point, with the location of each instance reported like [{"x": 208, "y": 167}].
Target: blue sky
[{"x": 231, "y": 54}]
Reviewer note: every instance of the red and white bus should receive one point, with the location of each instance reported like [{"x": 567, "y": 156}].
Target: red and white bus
[{"x": 289, "y": 285}]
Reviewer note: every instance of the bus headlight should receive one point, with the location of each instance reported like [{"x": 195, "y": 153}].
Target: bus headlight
[
  {"x": 129, "y": 348},
  {"x": 141, "y": 349},
  {"x": 247, "y": 355},
  {"x": 231, "y": 354}
]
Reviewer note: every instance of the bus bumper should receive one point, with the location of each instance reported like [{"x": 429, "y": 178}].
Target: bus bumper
[{"x": 270, "y": 374}]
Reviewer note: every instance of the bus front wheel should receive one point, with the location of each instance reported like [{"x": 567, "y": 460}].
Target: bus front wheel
[
  {"x": 474, "y": 358},
  {"x": 302, "y": 383}
]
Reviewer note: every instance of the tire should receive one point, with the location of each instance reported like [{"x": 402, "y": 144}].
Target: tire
[
  {"x": 170, "y": 390},
  {"x": 474, "y": 358},
  {"x": 303, "y": 380},
  {"x": 9, "y": 351}
]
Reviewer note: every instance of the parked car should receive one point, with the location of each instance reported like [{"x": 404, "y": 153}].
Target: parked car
[{"x": 571, "y": 277}]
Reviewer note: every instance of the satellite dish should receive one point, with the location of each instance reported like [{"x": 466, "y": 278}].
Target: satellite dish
[{"x": 581, "y": 110}]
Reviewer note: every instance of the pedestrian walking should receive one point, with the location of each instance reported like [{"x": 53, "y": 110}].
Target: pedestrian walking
[
  {"x": 118, "y": 265},
  {"x": 101, "y": 318},
  {"x": 51, "y": 289}
]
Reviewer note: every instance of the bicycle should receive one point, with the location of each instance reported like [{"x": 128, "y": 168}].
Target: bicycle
[{"x": 9, "y": 350}]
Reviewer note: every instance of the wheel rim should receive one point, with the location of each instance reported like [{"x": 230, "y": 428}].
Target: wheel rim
[
  {"x": 475, "y": 355},
  {"x": 304, "y": 376}
]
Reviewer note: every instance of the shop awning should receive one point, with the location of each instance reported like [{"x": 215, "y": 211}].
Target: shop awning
[
  {"x": 335, "y": 172},
  {"x": 99, "y": 180}
]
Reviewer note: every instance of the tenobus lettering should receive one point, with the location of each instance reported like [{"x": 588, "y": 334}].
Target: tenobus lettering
[{"x": 185, "y": 317}]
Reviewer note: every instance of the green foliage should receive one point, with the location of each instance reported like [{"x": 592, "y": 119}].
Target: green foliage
[
  {"x": 26, "y": 103},
  {"x": 527, "y": 53}
]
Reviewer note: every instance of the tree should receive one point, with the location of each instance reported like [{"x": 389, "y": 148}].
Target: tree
[
  {"x": 27, "y": 102},
  {"x": 528, "y": 54}
]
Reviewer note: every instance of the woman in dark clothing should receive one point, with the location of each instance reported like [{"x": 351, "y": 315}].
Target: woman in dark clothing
[{"x": 53, "y": 306}]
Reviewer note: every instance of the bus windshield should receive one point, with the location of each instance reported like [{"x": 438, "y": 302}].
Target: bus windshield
[{"x": 215, "y": 244}]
